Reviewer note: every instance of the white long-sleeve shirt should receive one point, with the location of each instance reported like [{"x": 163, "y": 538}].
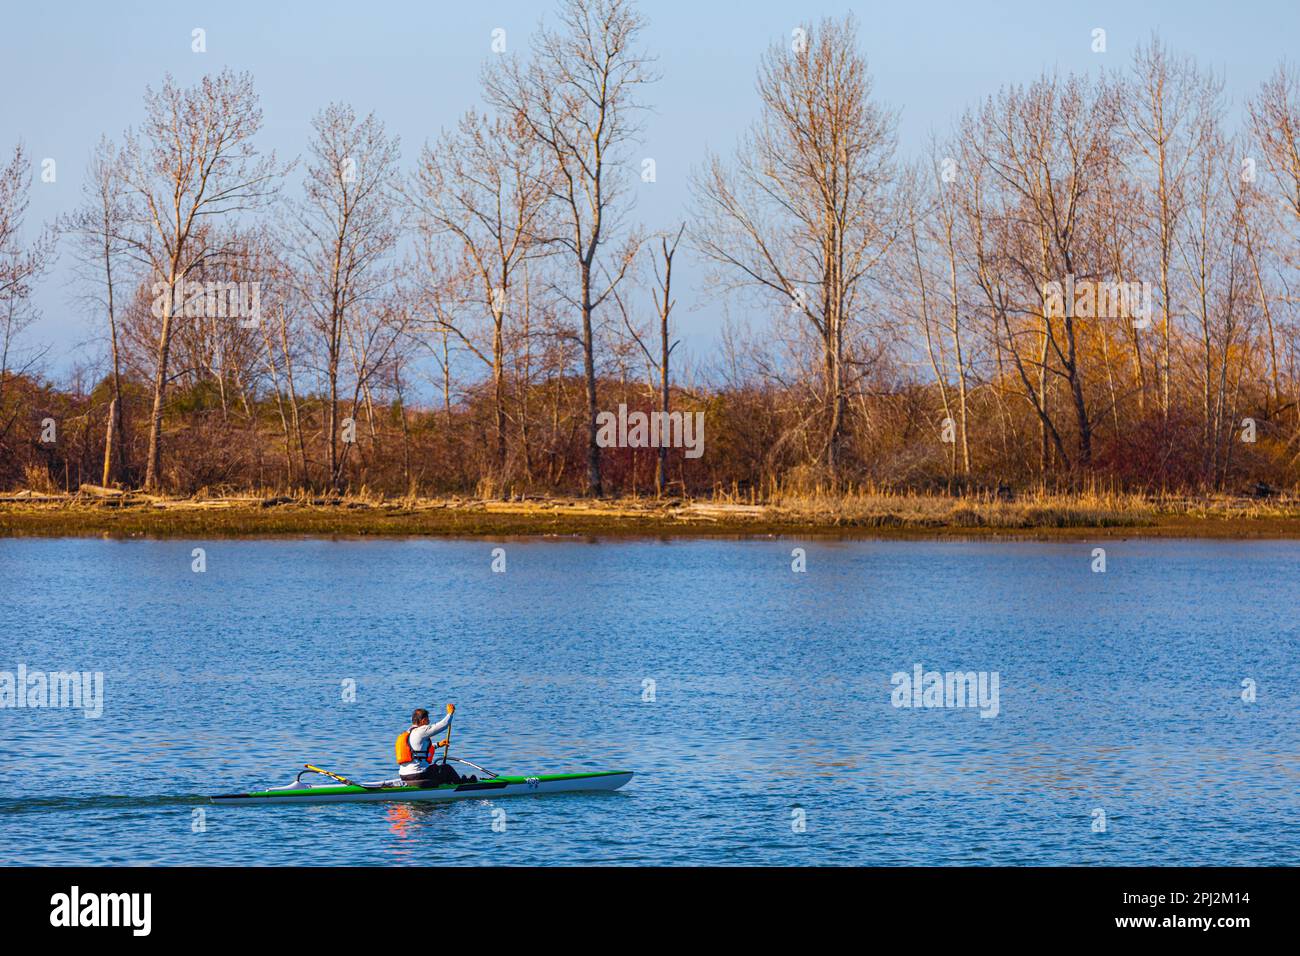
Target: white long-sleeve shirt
[{"x": 419, "y": 736}]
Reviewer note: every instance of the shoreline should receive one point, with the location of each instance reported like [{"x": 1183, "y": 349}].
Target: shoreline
[{"x": 901, "y": 517}]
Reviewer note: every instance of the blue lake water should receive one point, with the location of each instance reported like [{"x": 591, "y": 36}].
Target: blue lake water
[{"x": 754, "y": 703}]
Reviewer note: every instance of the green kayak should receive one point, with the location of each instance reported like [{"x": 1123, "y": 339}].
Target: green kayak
[{"x": 496, "y": 786}]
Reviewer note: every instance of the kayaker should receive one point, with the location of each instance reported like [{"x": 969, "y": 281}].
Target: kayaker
[{"x": 416, "y": 751}]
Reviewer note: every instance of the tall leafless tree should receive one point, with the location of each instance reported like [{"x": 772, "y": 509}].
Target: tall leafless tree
[
  {"x": 101, "y": 227},
  {"x": 23, "y": 260},
  {"x": 488, "y": 186},
  {"x": 346, "y": 228},
  {"x": 578, "y": 96},
  {"x": 1165, "y": 107},
  {"x": 193, "y": 159},
  {"x": 803, "y": 212}
]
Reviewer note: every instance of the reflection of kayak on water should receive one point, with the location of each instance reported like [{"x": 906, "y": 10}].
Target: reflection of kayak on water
[{"x": 494, "y": 785}]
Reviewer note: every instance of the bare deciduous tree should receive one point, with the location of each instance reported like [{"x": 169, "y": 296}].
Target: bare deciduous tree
[
  {"x": 803, "y": 213},
  {"x": 100, "y": 226},
  {"x": 346, "y": 228},
  {"x": 1165, "y": 107},
  {"x": 658, "y": 365},
  {"x": 1047, "y": 147},
  {"x": 22, "y": 262},
  {"x": 578, "y": 97},
  {"x": 193, "y": 159},
  {"x": 488, "y": 186}
]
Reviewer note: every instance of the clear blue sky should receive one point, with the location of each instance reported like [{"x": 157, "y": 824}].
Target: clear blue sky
[{"x": 71, "y": 71}]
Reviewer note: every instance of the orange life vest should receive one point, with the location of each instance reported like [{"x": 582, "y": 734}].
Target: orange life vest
[{"x": 404, "y": 752}]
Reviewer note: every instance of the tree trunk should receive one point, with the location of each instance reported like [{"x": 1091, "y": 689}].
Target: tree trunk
[
  {"x": 108, "y": 443},
  {"x": 153, "y": 469},
  {"x": 594, "y": 488},
  {"x": 498, "y": 397},
  {"x": 661, "y": 468}
]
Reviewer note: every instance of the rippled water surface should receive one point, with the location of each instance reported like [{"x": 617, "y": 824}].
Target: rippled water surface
[{"x": 770, "y": 702}]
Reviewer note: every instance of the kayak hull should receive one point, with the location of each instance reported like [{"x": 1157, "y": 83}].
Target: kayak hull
[{"x": 482, "y": 790}]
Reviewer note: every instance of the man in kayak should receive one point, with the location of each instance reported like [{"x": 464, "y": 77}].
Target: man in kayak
[{"x": 416, "y": 750}]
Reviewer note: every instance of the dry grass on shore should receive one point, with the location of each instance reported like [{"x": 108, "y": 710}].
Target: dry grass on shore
[
  {"x": 96, "y": 511},
  {"x": 1036, "y": 511}
]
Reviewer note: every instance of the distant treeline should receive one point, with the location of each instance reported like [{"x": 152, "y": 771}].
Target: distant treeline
[{"x": 1089, "y": 281}]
